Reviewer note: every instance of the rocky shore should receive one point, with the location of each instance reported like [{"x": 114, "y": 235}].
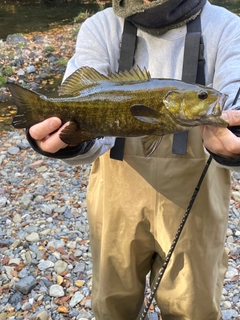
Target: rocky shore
[
  {"x": 36, "y": 61},
  {"x": 45, "y": 257},
  {"x": 45, "y": 269}
]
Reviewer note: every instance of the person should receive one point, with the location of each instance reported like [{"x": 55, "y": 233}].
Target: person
[{"x": 135, "y": 205}]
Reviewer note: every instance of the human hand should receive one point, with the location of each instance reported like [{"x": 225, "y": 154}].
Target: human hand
[
  {"x": 46, "y": 134},
  {"x": 221, "y": 141}
]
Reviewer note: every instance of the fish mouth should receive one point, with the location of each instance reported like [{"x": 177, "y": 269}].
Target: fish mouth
[
  {"x": 211, "y": 117},
  {"x": 214, "y": 120},
  {"x": 216, "y": 108}
]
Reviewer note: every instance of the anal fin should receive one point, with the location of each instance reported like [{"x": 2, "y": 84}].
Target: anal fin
[{"x": 150, "y": 144}]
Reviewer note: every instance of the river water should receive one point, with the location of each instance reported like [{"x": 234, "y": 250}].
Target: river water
[{"x": 36, "y": 16}]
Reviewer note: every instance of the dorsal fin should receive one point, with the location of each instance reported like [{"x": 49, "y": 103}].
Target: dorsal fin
[
  {"x": 81, "y": 79},
  {"x": 133, "y": 75},
  {"x": 87, "y": 77}
]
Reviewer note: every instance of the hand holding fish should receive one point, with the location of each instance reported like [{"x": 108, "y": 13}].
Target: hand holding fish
[
  {"x": 222, "y": 141},
  {"x": 46, "y": 134}
]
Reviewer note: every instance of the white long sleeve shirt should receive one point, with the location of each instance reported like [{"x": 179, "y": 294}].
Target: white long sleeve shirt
[{"x": 98, "y": 46}]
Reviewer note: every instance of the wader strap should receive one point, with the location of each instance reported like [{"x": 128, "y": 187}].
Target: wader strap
[
  {"x": 128, "y": 46},
  {"x": 193, "y": 71}
]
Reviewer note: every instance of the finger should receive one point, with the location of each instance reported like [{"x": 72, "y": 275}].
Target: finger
[
  {"x": 41, "y": 130},
  {"x": 52, "y": 143},
  {"x": 232, "y": 117},
  {"x": 211, "y": 142},
  {"x": 221, "y": 141}
]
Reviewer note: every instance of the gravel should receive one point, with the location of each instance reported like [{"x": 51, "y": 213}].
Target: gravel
[{"x": 45, "y": 257}]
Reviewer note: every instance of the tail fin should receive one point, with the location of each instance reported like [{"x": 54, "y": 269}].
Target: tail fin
[{"x": 26, "y": 102}]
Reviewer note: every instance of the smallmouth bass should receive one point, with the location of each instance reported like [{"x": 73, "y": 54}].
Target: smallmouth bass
[{"x": 124, "y": 104}]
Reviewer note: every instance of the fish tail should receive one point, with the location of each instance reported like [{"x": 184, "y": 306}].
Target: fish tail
[{"x": 27, "y": 102}]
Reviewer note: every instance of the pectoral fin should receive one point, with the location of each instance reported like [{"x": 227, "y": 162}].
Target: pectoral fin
[
  {"x": 74, "y": 135},
  {"x": 145, "y": 113},
  {"x": 150, "y": 144}
]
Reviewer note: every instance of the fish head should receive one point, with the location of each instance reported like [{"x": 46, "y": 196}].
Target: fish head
[{"x": 196, "y": 105}]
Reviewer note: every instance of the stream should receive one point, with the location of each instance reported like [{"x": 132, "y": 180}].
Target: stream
[{"x": 33, "y": 15}]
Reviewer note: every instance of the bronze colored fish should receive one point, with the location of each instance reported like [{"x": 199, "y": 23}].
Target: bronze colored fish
[{"x": 125, "y": 104}]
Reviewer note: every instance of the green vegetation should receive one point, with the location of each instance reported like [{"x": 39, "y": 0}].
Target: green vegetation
[
  {"x": 11, "y": 56},
  {"x": 2, "y": 80},
  {"x": 61, "y": 62},
  {"x": 75, "y": 31},
  {"x": 101, "y": 6},
  {"x": 20, "y": 45},
  {"x": 86, "y": 14},
  {"x": 46, "y": 76},
  {"x": 49, "y": 48},
  {"x": 7, "y": 71},
  {"x": 82, "y": 16}
]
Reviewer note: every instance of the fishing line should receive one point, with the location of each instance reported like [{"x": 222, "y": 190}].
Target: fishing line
[{"x": 145, "y": 307}]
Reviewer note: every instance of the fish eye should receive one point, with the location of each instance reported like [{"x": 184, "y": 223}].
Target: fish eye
[{"x": 202, "y": 95}]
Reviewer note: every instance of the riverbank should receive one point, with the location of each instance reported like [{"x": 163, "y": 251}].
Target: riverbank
[{"x": 36, "y": 61}]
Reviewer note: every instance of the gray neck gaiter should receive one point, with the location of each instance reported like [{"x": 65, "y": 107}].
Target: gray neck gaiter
[{"x": 158, "y": 16}]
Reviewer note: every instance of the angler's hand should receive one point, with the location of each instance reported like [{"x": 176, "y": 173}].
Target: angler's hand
[
  {"x": 221, "y": 141},
  {"x": 46, "y": 134}
]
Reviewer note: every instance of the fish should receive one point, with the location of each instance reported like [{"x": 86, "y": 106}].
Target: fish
[{"x": 123, "y": 104}]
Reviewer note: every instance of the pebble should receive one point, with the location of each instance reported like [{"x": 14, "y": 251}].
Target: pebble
[
  {"x": 56, "y": 291},
  {"x": 60, "y": 266},
  {"x": 30, "y": 69},
  {"x": 46, "y": 264},
  {"x": 42, "y": 316},
  {"x": 25, "y": 285},
  {"x": 77, "y": 297},
  {"x": 13, "y": 150},
  {"x": 229, "y": 314},
  {"x": 33, "y": 237}
]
